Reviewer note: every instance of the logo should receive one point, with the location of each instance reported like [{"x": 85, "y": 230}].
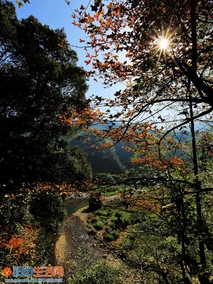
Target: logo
[
  {"x": 27, "y": 274},
  {"x": 7, "y": 272}
]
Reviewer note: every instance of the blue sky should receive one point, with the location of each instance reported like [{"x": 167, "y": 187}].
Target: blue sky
[{"x": 57, "y": 14}]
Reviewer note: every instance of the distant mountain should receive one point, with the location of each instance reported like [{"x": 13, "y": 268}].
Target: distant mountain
[
  {"x": 102, "y": 161},
  {"x": 117, "y": 159}
]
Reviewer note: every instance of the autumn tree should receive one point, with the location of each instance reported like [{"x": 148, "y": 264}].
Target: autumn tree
[
  {"x": 162, "y": 52},
  {"x": 39, "y": 82},
  {"x": 161, "y": 49}
]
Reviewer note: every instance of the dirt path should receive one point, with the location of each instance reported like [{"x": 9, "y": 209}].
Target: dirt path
[
  {"x": 82, "y": 214},
  {"x": 61, "y": 244},
  {"x": 75, "y": 247}
]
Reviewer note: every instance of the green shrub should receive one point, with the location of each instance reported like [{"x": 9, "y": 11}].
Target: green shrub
[
  {"x": 48, "y": 209},
  {"x": 118, "y": 214},
  {"x": 113, "y": 218},
  {"x": 99, "y": 225},
  {"x": 127, "y": 243},
  {"x": 99, "y": 273},
  {"x": 101, "y": 212},
  {"x": 111, "y": 236},
  {"x": 115, "y": 234},
  {"x": 14, "y": 208}
]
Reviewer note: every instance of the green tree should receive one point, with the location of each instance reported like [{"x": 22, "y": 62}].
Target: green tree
[
  {"x": 102, "y": 160},
  {"x": 41, "y": 87}
]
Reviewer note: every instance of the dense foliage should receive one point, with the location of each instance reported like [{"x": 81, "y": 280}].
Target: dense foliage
[{"x": 39, "y": 81}]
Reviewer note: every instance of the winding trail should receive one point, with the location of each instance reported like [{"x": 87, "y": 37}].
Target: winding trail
[{"x": 75, "y": 247}]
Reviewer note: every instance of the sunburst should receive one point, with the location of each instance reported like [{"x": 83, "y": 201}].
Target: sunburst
[{"x": 162, "y": 44}]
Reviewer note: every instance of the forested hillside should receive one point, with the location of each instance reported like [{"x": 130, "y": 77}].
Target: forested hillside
[{"x": 113, "y": 160}]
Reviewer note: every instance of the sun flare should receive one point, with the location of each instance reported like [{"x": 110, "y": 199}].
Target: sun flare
[{"x": 163, "y": 43}]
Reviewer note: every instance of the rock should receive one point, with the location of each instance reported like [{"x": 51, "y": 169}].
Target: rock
[
  {"x": 95, "y": 202},
  {"x": 91, "y": 232}
]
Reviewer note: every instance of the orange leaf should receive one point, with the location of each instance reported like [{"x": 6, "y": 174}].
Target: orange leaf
[
  {"x": 96, "y": 16},
  {"x": 87, "y": 61},
  {"x": 128, "y": 54}
]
